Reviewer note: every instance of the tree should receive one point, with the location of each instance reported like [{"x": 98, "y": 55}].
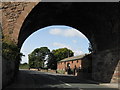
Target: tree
[
  {"x": 57, "y": 55},
  {"x": 51, "y": 61},
  {"x": 37, "y": 57},
  {"x": 62, "y": 53},
  {"x": 90, "y": 48}
]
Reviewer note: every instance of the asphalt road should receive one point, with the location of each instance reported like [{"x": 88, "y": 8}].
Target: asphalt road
[{"x": 34, "y": 80}]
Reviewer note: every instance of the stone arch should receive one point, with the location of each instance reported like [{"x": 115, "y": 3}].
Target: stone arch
[
  {"x": 52, "y": 21},
  {"x": 95, "y": 25},
  {"x": 22, "y": 17},
  {"x": 98, "y": 21},
  {"x": 13, "y": 15}
]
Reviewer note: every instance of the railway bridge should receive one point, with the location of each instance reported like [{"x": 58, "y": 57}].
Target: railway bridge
[{"x": 99, "y": 22}]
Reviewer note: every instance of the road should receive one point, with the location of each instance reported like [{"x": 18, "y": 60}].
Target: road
[{"x": 33, "y": 80}]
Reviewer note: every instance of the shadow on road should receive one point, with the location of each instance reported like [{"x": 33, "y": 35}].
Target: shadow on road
[
  {"x": 75, "y": 79},
  {"x": 34, "y": 80}
]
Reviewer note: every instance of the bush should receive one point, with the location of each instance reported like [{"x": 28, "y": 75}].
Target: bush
[{"x": 10, "y": 51}]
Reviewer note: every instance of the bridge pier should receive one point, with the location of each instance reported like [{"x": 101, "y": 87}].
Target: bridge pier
[
  {"x": 104, "y": 65},
  {"x": 9, "y": 70}
]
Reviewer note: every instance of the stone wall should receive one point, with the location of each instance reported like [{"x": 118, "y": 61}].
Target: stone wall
[
  {"x": 116, "y": 75},
  {"x": 86, "y": 67},
  {"x": 8, "y": 72},
  {"x": 0, "y": 58},
  {"x": 13, "y": 16},
  {"x": 11, "y": 12},
  {"x": 104, "y": 64}
]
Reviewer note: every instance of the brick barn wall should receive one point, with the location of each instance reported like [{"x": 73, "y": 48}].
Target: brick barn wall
[{"x": 63, "y": 65}]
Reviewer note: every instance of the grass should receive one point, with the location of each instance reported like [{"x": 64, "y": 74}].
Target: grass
[
  {"x": 26, "y": 66},
  {"x": 61, "y": 71}
]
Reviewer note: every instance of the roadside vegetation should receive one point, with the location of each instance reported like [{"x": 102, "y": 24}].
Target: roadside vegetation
[
  {"x": 10, "y": 51},
  {"x": 44, "y": 58},
  {"x": 24, "y": 66},
  {"x": 61, "y": 71}
]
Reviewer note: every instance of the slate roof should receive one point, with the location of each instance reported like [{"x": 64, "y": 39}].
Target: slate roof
[{"x": 73, "y": 58}]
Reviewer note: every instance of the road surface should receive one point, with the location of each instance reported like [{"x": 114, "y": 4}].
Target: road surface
[{"x": 35, "y": 80}]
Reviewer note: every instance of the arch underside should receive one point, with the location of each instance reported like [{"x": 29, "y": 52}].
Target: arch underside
[
  {"x": 95, "y": 20},
  {"x": 99, "y": 22}
]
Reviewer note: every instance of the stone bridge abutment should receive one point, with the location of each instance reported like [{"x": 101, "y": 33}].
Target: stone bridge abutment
[{"x": 98, "y": 21}]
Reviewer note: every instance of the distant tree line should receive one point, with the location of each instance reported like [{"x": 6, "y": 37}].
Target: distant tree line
[{"x": 41, "y": 55}]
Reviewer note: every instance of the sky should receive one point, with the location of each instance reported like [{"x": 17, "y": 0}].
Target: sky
[{"x": 55, "y": 37}]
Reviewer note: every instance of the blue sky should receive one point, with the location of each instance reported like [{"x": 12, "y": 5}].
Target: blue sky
[{"x": 55, "y": 37}]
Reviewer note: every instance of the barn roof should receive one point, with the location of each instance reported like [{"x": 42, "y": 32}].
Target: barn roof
[{"x": 73, "y": 58}]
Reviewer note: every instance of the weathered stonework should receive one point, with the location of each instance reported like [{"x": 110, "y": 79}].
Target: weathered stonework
[
  {"x": 12, "y": 13},
  {"x": 99, "y": 22},
  {"x": 104, "y": 65},
  {"x": 8, "y": 72},
  {"x": 116, "y": 75}
]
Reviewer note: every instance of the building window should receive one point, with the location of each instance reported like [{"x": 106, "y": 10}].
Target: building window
[
  {"x": 68, "y": 64},
  {"x": 77, "y": 61},
  {"x": 64, "y": 62}
]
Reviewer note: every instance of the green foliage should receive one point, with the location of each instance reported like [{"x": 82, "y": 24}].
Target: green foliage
[
  {"x": 90, "y": 48},
  {"x": 24, "y": 66},
  {"x": 52, "y": 63},
  {"x": 10, "y": 51},
  {"x": 37, "y": 57},
  {"x": 62, "y": 53},
  {"x": 61, "y": 71},
  {"x": 57, "y": 55}
]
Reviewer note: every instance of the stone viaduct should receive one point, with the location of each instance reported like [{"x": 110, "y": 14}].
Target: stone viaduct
[{"x": 100, "y": 22}]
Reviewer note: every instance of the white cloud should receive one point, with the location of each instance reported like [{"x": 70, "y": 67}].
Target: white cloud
[
  {"x": 74, "y": 41},
  {"x": 55, "y": 31},
  {"x": 60, "y": 45},
  {"x": 77, "y": 52},
  {"x": 66, "y": 32}
]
